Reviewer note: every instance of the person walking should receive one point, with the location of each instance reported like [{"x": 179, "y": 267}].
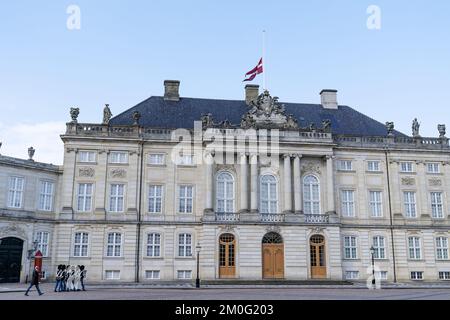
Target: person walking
[
  {"x": 58, "y": 279},
  {"x": 82, "y": 276},
  {"x": 35, "y": 282}
]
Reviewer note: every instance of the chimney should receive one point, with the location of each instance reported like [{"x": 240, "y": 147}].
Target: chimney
[
  {"x": 171, "y": 90},
  {"x": 251, "y": 93},
  {"x": 328, "y": 98}
]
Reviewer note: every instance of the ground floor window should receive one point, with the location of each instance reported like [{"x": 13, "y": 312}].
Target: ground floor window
[
  {"x": 184, "y": 274},
  {"x": 416, "y": 275},
  {"x": 444, "y": 275},
  {"x": 382, "y": 275},
  {"x": 152, "y": 274},
  {"x": 351, "y": 275},
  {"x": 112, "y": 274}
]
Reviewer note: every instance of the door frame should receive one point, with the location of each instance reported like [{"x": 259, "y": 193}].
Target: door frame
[
  {"x": 326, "y": 257},
  {"x": 23, "y": 265},
  {"x": 280, "y": 244},
  {"x": 235, "y": 256}
]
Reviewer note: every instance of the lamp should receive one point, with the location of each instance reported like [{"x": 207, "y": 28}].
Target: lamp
[
  {"x": 372, "y": 252},
  {"x": 197, "y": 249}
]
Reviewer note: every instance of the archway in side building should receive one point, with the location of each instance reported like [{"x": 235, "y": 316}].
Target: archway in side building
[
  {"x": 272, "y": 256},
  {"x": 317, "y": 257},
  {"x": 10, "y": 259},
  {"x": 227, "y": 256}
]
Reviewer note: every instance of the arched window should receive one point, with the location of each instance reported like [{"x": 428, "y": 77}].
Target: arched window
[
  {"x": 268, "y": 194},
  {"x": 225, "y": 193},
  {"x": 272, "y": 237},
  {"x": 311, "y": 195}
]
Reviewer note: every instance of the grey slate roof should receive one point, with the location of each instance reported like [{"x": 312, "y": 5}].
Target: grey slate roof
[
  {"x": 159, "y": 113},
  {"x": 17, "y": 162}
]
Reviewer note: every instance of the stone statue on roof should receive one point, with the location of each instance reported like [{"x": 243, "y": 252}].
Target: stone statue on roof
[
  {"x": 415, "y": 128},
  {"x": 106, "y": 114}
]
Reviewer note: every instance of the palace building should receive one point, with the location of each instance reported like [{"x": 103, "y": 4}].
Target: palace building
[{"x": 249, "y": 189}]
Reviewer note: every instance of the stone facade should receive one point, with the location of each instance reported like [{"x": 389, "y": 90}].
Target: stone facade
[{"x": 373, "y": 167}]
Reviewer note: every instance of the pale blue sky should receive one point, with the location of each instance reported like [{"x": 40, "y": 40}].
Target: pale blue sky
[{"x": 125, "y": 49}]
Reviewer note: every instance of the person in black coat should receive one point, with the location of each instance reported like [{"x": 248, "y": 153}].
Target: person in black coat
[{"x": 35, "y": 281}]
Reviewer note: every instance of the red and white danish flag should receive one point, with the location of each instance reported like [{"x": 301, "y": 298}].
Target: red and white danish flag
[{"x": 249, "y": 76}]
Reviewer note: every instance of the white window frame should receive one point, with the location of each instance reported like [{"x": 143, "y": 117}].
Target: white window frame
[
  {"x": 156, "y": 156},
  {"x": 379, "y": 244},
  {"x": 351, "y": 274},
  {"x": 86, "y": 156},
  {"x": 83, "y": 242},
  {"x": 433, "y": 167},
  {"x": 374, "y": 166},
  {"x": 348, "y": 203},
  {"x": 114, "y": 244},
  {"x": 345, "y": 165},
  {"x": 444, "y": 275},
  {"x": 376, "y": 203},
  {"x": 268, "y": 205},
  {"x": 118, "y": 157},
  {"x": 45, "y": 202},
  {"x": 185, "y": 202},
  {"x": 416, "y": 275},
  {"x": 441, "y": 248},
  {"x": 85, "y": 197},
  {"x": 15, "y": 192},
  {"x": 406, "y": 166},
  {"x": 155, "y": 200},
  {"x": 437, "y": 204},
  {"x": 311, "y": 204},
  {"x": 117, "y": 197},
  {"x": 115, "y": 274},
  {"x": 153, "y": 245},
  {"x": 228, "y": 196},
  {"x": 186, "y": 274},
  {"x": 153, "y": 273},
  {"x": 186, "y": 160},
  {"x": 350, "y": 247},
  {"x": 410, "y": 204},
  {"x": 43, "y": 239},
  {"x": 185, "y": 241},
  {"x": 414, "y": 248}
]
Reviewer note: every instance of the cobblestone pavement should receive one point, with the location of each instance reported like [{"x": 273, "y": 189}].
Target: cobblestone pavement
[{"x": 231, "y": 294}]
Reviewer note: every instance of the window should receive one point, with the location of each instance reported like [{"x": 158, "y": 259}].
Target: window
[
  {"x": 15, "y": 192},
  {"x": 373, "y": 166},
  {"x": 416, "y": 275},
  {"x": 116, "y": 197},
  {"x": 268, "y": 194},
  {"x": 382, "y": 275},
  {"x": 442, "y": 248},
  {"x": 155, "y": 198},
  {"x": 46, "y": 196},
  {"x": 112, "y": 274},
  {"x": 184, "y": 245},
  {"x": 42, "y": 239},
  {"x": 84, "y": 197},
  {"x": 348, "y": 203},
  {"x": 311, "y": 195},
  {"x": 433, "y": 168},
  {"x": 114, "y": 244},
  {"x": 444, "y": 275},
  {"x": 436, "y": 205},
  {"x": 406, "y": 167},
  {"x": 118, "y": 157},
  {"x": 410, "y": 204},
  {"x": 414, "y": 248},
  {"x": 345, "y": 165},
  {"x": 351, "y": 275},
  {"x": 186, "y": 160},
  {"x": 156, "y": 158},
  {"x": 186, "y": 199},
  {"x": 184, "y": 274},
  {"x": 153, "y": 245},
  {"x": 225, "y": 192},
  {"x": 80, "y": 248},
  {"x": 152, "y": 274},
  {"x": 375, "y": 203},
  {"x": 379, "y": 246},
  {"x": 350, "y": 249},
  {"x": 86, "y": 156}
]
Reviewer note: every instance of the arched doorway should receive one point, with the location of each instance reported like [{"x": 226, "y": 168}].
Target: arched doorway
[
  {"x": 227, "y": 256},
  {"x": 10, "y": 259},
  {"x": 317, "y": 257},
  {"x": 272, "y": 256}
]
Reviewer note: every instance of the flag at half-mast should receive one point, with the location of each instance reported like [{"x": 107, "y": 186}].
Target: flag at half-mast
[{"x": 249, "y": 76}]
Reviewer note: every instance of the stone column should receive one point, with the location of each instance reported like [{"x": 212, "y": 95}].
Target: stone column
[
  {"x": 209, "y": 182},
  {"x": 298, "y": 205},
  {"x": 254, "y": 183},
  {"x": 244, "y": 182},
  {"x": 287, "y": 183},
  {"x": 330, "y": 186}
]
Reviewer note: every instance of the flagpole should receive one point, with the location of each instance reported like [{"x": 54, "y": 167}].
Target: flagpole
[{"x": 264, "y": 60}]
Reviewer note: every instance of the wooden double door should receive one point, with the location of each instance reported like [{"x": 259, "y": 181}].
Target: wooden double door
[
  {"x": 317, "y": 257},
  {"x": 10, "y": 259},
  {"x": 273, "y": 260},
  {"x": 227, "y": 256}
]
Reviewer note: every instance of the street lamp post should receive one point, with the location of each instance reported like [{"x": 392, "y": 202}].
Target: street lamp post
[
  {"x": 197, "y": 281},
  {"x": 372, "y": 251}
]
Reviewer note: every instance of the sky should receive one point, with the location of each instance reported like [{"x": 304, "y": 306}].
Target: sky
[{"x": 124, "y": 50}]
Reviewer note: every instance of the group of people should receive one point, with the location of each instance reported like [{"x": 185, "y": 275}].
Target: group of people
[{"x": 70, "y": 278}]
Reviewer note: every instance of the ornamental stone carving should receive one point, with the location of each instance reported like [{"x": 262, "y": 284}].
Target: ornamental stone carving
[
  {"x": 86, "y": 172},
  {"x": 118, "y": 173},
  {"x": 276, "y": 229},
  {"x": 415, "y": 128},
  {"x": 311, "y": 167},
  {"x": 74, "y": 112},
  {"x": 13, "y": 230},
  {"x": 408, "y": 181},
  {"x": 226, "y": 167},
  {"x": 441, "y": 129},
  {"x": 390, "y": 129},
  {"x": 106, "y": 114},
  {"x": 435, "y": 182},
  {"x": 226, "y": 228},
  {"x": 136, "y": 116}
]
